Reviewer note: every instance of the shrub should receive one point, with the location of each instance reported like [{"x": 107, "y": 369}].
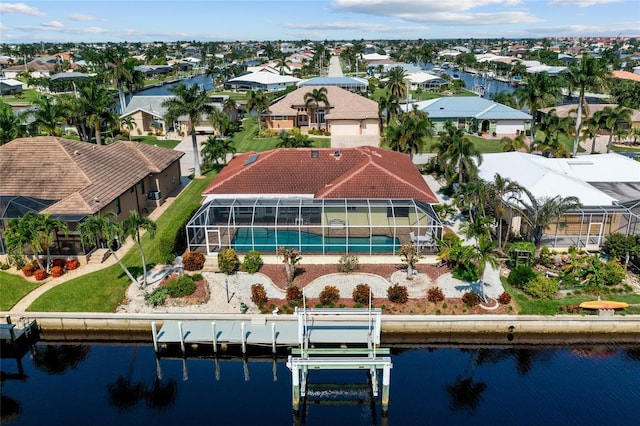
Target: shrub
[
  {"x": 40, "y": 274},
  {"x": 471, "y": 299},
  {"x": 435, "y": 295},
  {"x": 398, "y": 294},
  {"x": 71, "y": 264},
  {"x": 193, "y": 261},
  {"x": 57, "y": 271},
  {"x": 348, "y": 263},
  {"x": 361, "y": 294},
  {"x": 515, "y": 252},
  {"x": 4, "y": 266},
  {"x": 466, "y": 271},
  {"x": 183, "y": 286},
  {"x": 614, "y": 273},
  {"x": 329, "y": 294},
  {"x": 520, "y": 276},
  {"x": 228, "y": 261},
  {"x": 258, "y": 294},
  {"x": 541, "y": 288},
  {"x": 504, "y": 298},
  {"x": 252, "y": 262},
  {"x": 157, "y": 297},
  {"x": 29, "y": 270},
  {"x": 57, "y": 262},
  {"x": 570, "y": 309},
  {"x": 294, "y": 293}
]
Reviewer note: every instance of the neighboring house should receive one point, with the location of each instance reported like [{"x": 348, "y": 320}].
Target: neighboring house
[
  {"x": 364, "y": 200},
  {"x": 37, "y": 69},
  {"x": 425, "y": 81},
  {"x": 626, "y": 75},
  {"x": 607, "y": 185},
  {"x": 352, "y": 84},
  {"x": 263, "y": 80},
  {"x": 348, "y": 113},
  {"x": 9, "y": 86},
  {"x": 571, "y": 109},
  {"x": 80, "y": 179},
  {"x": 475, "y": 114},
  {"x": 149, "y": 116},
  {"x": 154, "y": 70}
]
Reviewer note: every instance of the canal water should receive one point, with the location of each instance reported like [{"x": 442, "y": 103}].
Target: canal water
[{"x": 68, "y": 384}]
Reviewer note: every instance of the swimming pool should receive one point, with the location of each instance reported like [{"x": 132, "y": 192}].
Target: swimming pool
[{"x": 270, "y": 239}]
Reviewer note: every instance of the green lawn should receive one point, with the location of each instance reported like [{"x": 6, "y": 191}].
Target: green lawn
[
  {"x": 622, "y": 148},
  {"x": 104, "y": 290},
  {"x": 13, "y": 288},
  {"x": 28, "y": 95},
  {"x": 152, "y": 140},
  {"x": 530, "y": 306},
  {"x": 246, "y": 140}
]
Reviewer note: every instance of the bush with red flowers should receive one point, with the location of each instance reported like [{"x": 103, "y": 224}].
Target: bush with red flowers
[
  {"x": 71, "y": 264},
  {"x": 57, "y": 262},
  {"x": 29, "y": 270},
  {"x": 57, "y": 271},
  {"x": 40, "y": 274}
]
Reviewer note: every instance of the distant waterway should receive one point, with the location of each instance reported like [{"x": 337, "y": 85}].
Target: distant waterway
[
  {"x": 202, "y": 81},
  {"x": 74, "y": 383}
]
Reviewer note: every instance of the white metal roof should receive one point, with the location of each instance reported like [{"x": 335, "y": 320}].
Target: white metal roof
[{"x": 265, "y": 78}]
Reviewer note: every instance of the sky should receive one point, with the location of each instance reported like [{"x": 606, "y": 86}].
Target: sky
[{"x": 244, "y": 20}]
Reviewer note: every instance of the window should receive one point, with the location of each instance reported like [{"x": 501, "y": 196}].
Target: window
[
  {"x": 142, "y": 186},
  {"x": 399, "y": 211},
  {"x": 118, "y": 208}
]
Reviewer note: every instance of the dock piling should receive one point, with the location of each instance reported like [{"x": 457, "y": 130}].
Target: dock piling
[
  {"x": 273, "y": 337},
  {"x": 154, "y": 332},
  {"x": 215, "y": 338},
  {"x": 181, "y": 337},
  {"x": 244, "y": 337}
]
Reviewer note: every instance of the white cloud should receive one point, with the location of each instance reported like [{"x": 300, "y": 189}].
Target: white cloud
[
  {"x": 81, "y": 17},
  {"x": 20, "y": 8},
  {"x": 580, "y": 3},
  {"x": 53, "y": 24}
]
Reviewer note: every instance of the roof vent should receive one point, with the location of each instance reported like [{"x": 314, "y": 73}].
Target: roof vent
[
  {"x": 314, "y": 153},
  {"x": 76, "y": 152},
  {"x": 251, "y": 159},
  {"x": 336, "y": 153}
]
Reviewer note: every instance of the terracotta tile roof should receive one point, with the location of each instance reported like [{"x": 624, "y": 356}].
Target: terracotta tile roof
[
  {"x": 343, "y": 104},
  {"x": 626, "y": 75},
  {"x": 363, "y": 172},
  {"x": 81, "y": 176}
]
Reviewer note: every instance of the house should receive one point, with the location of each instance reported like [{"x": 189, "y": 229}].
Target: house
[
  {"x": 81, "y": 179},
  {"x": 348, "y": 113},
  {"x": 607, "y": 186},
  {"x": 9, "y": 86},
  {"x": 570, "y": 110},
  {"x": 154, "y": 70},
  {"x": 149, "y": 115},
  {"x": 352, "y": 84},
  {"x": 364, "y": 200},
  {"x": 425, "y": 81},
  {"x": 475, "y": 114},
  {"x": 264, "y": 81},
  {"x": 35, "y": 68}
]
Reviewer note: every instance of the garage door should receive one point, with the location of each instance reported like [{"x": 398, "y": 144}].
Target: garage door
[{"x": 345, "y": 127}]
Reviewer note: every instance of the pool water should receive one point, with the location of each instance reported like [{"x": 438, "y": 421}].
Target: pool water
[{"x": 270, "y": 239}]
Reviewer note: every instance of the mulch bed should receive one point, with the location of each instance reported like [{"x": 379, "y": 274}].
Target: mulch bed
[{"x": 200, "y": 295}]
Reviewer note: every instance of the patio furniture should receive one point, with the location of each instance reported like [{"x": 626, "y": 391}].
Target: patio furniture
[{"x": 421, "y": 241}]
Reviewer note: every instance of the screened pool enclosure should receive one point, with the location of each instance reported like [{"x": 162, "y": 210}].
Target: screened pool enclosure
[{"x": 313, "y": 226}]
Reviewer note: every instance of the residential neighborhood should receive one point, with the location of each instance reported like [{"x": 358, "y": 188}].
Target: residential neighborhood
[{"x": 328, "y": 212}]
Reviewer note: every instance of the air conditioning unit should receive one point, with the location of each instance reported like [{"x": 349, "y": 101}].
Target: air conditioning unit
[{"x": 154, "y": 195}]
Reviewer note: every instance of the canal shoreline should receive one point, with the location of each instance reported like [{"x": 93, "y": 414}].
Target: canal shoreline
[{"x": 510, "y": 329}]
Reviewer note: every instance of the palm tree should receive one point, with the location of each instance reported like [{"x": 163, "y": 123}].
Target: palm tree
[
  {"x": 408, "y": 135},
  {"x": 540, "y": 91},
  {"x": 95, "y": 107},
  {"x": 23, "y": 232},
  {"x": 259, "y": 102},
  {"x": 634, "y": 133},
  {"x": 515, "y": 144},
  {"x": 389, "y": 106},
  {"x": 193, "y": 102},
  {"x": 230, "y": 106},
  {"x": 132, "y": 226},
  {"x": 588, "y": 73},
  {"x": 128, "y": 123},
  {"x": 215, "y": 149},
  {"x": 396, "y": 82},
  {"x": 119, "y": 74},
  {"x": 538, "y": 213},
  {"x": 281, "y": 63},
  {"x": 94, "y": 228},
  {"x": 506, "y": 98},
  {"x": 47, "y": 227},
  {"x": 611, "y": 119},
  {"x": 590, "y": 131},
  {"x": 457, "y": 153},
  {"x": 11, "y": 124},
  {"x": 553, "y": 127},
  {"x": 499, "y": 189},
  {"x": 49, "y": 114},
  {"x": 312, "y": 101},
  {"x": 485, "y": 253}
]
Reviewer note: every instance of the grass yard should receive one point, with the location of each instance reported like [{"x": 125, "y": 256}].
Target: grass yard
[
  {"x": 104, "y": 290},
  {"x": 246, "y": 140},
  {"x": 530, "y": 306},
  {"x": 153, "y": 140},
  {"x": 13, "y": 288}
]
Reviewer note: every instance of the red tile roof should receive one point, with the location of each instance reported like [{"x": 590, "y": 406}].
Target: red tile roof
[{"x": 363, "y": 172}]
